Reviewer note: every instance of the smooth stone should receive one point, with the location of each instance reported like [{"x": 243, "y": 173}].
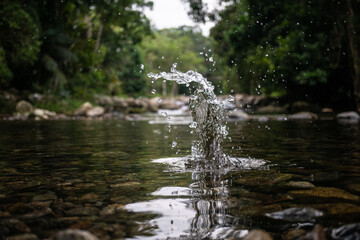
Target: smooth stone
[
  {"x": 325, "y": 192},
  {"x": 338, "y": 208},
  {"x": 74, "y": 234},
  {"x": 294, "y": 234},
  {"x": 270, "y": 109},
  {"x": 135, "y": 185},
  {"x": 257, "y": 235},
  {"x": 28, "y": 236},
  {"x": 44, "y": 197},
  {"x": 89, "y": 197},
  {"x": 317, "y": 233},
  {"x": 81, "y": 111},
  {"x": 170, "y": 104},
  {"x": 95, "y": 112},
  {"x": 112, "y": 209},
  {"x": 14, "y": 225},
  {"x": 82, "y": 211},
  {"x": 353, "y": 187},
  {"x": 303, "y": 116},
  {"x": 237, "y": 114},
  {"x": 302, "y": 185},
  {"x": 346, "y": 232},
  {"x": 296, "y": 214},
  {"x": 348, "y": 115}
]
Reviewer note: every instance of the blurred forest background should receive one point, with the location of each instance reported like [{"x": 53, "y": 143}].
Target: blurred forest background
[{"x": 294, "y": 50}]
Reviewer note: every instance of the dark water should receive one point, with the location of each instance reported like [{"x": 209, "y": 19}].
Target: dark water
[{"x": 99, "y": 176}]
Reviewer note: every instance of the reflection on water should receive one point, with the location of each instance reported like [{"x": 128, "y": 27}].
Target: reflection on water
[{"x": 100, "y": 176}]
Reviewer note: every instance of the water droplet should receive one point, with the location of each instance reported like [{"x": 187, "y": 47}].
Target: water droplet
[
  {"x": 142, "y": 66},
  {"x": 193, "y": 125},
  {"x": 164, "y": 114},
  {"x": 173, "y": 144},
  {"x": 231, "y": 98},
  {"x": 211, "y": 59},
  {"x": 160, "y": 100},
  {"x": 153, "y": 91}
]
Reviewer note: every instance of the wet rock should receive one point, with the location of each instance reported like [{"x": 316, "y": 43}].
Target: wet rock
[
  {"x": 327, "y": 110},
  {"x": 120, "y": 104},
  {"x": 86, "y": 224},
  {"x": 296, "y": 214},
  {"x": 13, "y": 226},
  {"x": 74, "y": 234},
  {"x": 317, "y": 233},
  {"x": 303, "y": 116},
  {"x": 325, "y": 192},
  {"x": 271, "y": 109},
  {"x": 170, "y": 104},
  {"x": 237, "y": 114},
  {"x": 346, "y": 232},
  {"x": 348, "y": 115},
  {"x": 103, "y": 100},
  {"x": 95, "y": 112},
  {"x": 28, "y": 236},
  {"x": 24, "y": 108},
  {"x": 262, "y": 178},
  {"x": 154, "y": 104},
  {"x": 338, "y": 208},
  {"x": 294, "y": 234},
  {"x": 82, "y": 211},
  {"x": 81, "y": 111},
  {"x": 89, "y": 197},
  {"x": 112, "y": 209},
  {"x": 45, "y": 197},
  {"x": 257, "y": 235},
  {"x": 300, "y": 184},
  {"x": 137, "y": 105},
  {"x": 354, "y": 187},
  {"x": 130, "y": 185}
]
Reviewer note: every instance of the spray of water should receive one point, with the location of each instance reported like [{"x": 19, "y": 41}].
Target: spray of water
[{"x": 208, "y": 118}]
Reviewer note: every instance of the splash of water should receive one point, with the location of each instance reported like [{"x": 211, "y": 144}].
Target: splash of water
[{"x": 208, "y": 118}]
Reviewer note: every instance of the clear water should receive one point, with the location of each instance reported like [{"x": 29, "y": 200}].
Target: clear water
[{"x": 77, "y": 170}]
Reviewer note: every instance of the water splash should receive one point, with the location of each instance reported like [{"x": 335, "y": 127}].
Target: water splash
[{"x": 207, "y": 113}]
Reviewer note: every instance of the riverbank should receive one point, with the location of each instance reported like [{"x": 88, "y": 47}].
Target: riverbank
[{"x": 35, "y": 106}]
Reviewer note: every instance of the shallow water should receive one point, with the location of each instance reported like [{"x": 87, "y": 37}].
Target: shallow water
[{"x": 100, "y": 176}]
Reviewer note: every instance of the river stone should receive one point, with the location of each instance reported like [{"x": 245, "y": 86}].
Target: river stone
[
  {"x": 294, "y": 234},
  {"x": 296, "y": 214},
  {"x": 132, "y": 185},
  {"x": 24, "y": 108},
  {"x": 81, "y": 111},
  {"x": 112, "y": 209},
  {"x": 354, "y": 187},
  {"x": 270, "y": 109},
  {"x": 74, "y": 234},
  {"x": 262, "y": 178},
  {"x": 346, "y": 232},
  {"x": 303, "y": 116},
  {"x": 302, "y": 185},
  {"x": 95, "y": 112},
  {"x": 44, "y": 197},
  {"x": 348, "y": 115},
  {"x": 325, "y": 192},
  {"x": 338, "y": 208},
  {"x": 237, "y": 114},
  {"x": 89, "y": 197},
  {"x": 317, "y": 233},
  {"x": 13, "y": 225},
  {"x": 257, "y": 235},
  {"x": 154, "y": 104},
  {"x": 170, "y": 104},
  {"x": 82, "y": 211},
  {"x": 27, "y": 236}
]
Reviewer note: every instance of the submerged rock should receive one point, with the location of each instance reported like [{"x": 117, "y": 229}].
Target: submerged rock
[
  {"x": 338, "y": 208},
  {"x": 303, "y": 116},
  {"x": 325, "y": 192},
  {"x": 317, "y": 233},
  {"x": 296, "y": 214},
  {"x": 74, "y": 234},
  {"x": 112, "y": 209},
  {"x": 347, "y": 232},
  {"x": 27, "y": 236},
  {"x": 300, "y": 184},
  {"x": 257, "y": 235},
  {"x": 294, "y": 234}
]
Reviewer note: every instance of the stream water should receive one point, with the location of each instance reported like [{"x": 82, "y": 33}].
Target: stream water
[{"x": 102, "y": 176}]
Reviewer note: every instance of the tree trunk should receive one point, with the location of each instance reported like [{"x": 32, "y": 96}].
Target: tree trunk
[
  {"x": 98, "y": 37},
  {"x": 355, "y": 54}
]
